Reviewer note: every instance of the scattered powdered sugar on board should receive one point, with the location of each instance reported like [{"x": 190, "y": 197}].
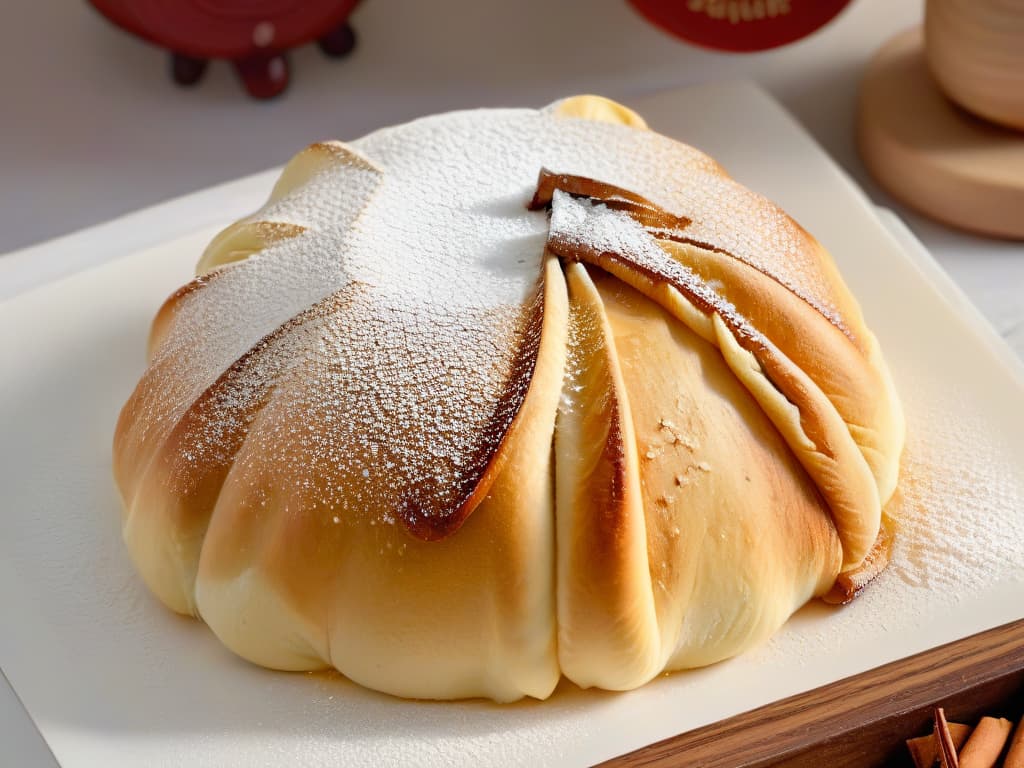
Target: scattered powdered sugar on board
[
  {"x": 960, "y": 527},
  {"x": 962, "y": 508}
]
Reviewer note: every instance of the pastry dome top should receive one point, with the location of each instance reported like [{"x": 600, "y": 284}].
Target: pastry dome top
[{"x": 390, "y": 292}]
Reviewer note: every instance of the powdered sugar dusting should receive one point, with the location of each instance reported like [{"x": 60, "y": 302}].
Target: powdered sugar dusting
[
  {"x": 237, "y": 307},
  {"x": 343, "y": 421},
  {"x": 426, "y": 225},
  {"x": 606, "y": 231},
  {"x": 723, "y": 213}
]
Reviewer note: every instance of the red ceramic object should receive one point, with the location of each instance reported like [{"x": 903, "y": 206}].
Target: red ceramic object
[
  {"x": 254, "y": 34},
  {"x": 739, "y": 25}
]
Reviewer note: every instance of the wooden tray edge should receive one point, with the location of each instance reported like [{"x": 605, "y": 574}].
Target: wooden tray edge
[{"x": 860, "y": 720}]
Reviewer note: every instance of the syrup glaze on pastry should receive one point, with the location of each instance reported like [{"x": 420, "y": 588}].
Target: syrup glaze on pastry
[{"x": 457, "y": 425}]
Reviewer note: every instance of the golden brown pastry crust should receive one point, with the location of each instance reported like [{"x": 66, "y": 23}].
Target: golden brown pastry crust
[{"x": 727, "y": 433}]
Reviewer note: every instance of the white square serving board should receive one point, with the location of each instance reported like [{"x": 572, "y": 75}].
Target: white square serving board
[{"x": 111, "y": 678}]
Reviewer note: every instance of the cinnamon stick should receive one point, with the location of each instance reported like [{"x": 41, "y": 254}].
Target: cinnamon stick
[
  {"x": 986, "y": 744},
  {"x": 924, "y": 750},
  {"x": 947, "y": 752},
  {"x": 1015, "y": 757}
]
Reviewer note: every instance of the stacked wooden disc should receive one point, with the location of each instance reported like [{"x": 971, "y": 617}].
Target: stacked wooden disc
[{"x": 928, "y": 150}]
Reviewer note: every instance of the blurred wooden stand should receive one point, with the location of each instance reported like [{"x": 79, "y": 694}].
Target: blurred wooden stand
[{"x": 932, "y": 153}]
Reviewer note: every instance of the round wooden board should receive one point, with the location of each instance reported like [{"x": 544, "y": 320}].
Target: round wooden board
[{"x": 933, "y": 155}]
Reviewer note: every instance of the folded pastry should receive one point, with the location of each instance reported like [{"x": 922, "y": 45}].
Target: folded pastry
[{"x": 503, "y": 395}]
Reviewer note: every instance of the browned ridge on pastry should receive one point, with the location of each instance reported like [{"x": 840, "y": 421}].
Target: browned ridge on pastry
[
  {"x": 418, "y": 508},
  {"x": 457, "y": 429}
]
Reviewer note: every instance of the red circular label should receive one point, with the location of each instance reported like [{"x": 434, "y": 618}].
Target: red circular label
[{"x": 739, "y": 25}]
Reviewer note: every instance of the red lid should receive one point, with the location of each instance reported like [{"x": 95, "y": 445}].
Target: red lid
[{"x": 739, "y": 25}]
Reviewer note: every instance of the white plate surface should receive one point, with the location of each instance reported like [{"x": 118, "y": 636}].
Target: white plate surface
[{"x": 113, "y": 679}]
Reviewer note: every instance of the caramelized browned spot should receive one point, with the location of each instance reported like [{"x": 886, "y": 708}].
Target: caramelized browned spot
[
  {"x": 850, "y": 584},
  {"x": 608, "y": 498}
]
